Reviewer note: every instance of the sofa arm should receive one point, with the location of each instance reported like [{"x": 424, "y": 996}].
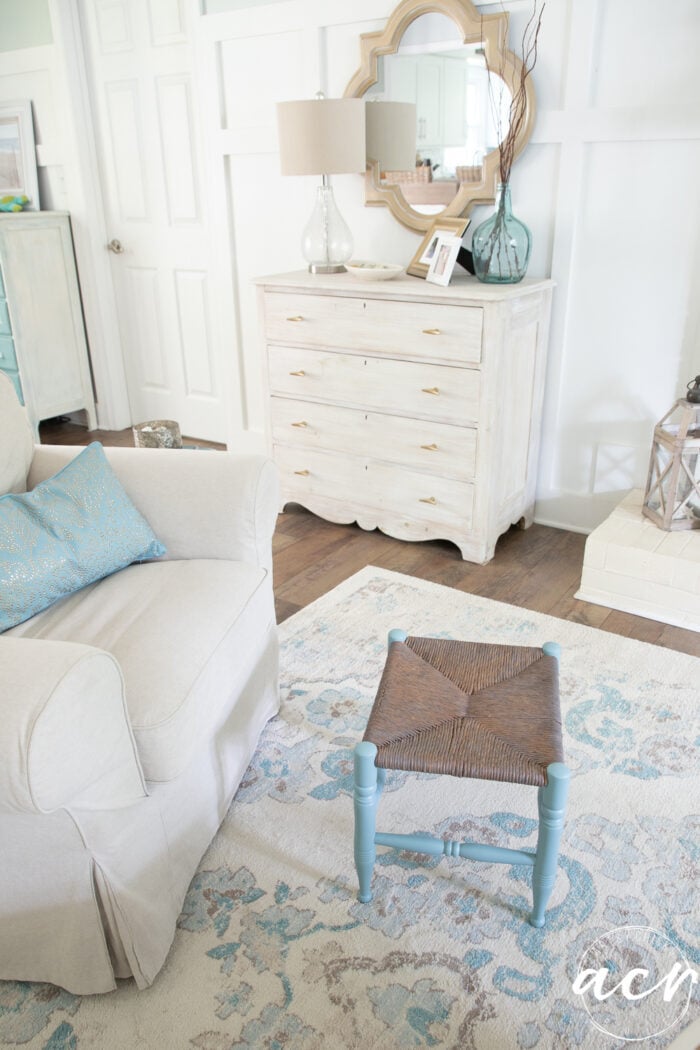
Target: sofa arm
[
  {"x": 65, "y": 737},
  {"x": 200, "y": 504}
]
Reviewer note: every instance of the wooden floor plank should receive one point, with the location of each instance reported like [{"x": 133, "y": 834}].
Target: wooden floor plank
[
  {"x": 307, "y": 555},
  {"x": 283, "y": 609},
  {"x": 326, "y": 572},
  {"x": 586, "y": 613},
  {"x": 537, "y": 568},
  {"x": 680, "y": 638}
]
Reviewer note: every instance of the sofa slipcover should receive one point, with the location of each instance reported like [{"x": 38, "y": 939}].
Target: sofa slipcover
[{"x": 129, "y": 712}]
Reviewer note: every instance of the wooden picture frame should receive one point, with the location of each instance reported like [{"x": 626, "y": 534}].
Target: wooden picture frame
[
  {"x": 451, "y": 227},
  {"x": 18, "y": 174}
]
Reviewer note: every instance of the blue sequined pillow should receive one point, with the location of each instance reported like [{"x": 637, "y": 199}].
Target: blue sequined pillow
[{"x": 72, "y": 529}]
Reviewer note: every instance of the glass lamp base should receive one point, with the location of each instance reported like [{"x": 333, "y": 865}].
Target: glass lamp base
[
  {"x": 326, "y": 268},
  {"x": 326, "y": 243}
]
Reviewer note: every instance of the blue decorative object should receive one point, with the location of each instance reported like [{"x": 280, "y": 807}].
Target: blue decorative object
[
  {"x": 10, "y": 203},
  {"x": 501, "y": 245},
  {"x": 71, "y": 530}
]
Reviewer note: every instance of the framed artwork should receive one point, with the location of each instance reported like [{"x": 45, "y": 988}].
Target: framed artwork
[
  {"x": 420, "y": 263},
  {"x": 443, "y": 259},
  {"x": 18, "y": 175}
]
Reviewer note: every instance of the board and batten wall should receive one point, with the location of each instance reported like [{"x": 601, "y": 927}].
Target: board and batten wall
[{"x": 608, "y": 186}]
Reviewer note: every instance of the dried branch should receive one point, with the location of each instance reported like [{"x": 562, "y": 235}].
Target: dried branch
[{"x": 518, "y": 105}]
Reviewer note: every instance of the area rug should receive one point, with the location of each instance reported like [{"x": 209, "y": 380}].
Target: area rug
[{"x": 273, "y": 949}]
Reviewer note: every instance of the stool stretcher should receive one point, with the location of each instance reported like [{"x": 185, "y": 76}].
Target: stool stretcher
[{"x": 468, "y": 850}]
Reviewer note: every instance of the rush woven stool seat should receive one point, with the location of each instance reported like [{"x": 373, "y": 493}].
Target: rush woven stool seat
[{"x": 466, "y": 709}]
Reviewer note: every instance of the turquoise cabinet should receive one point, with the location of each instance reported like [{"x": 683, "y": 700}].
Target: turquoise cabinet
[
  {"x": 5, "y": 327},
  {"x": 43, "y": 348},
  {"x": 8, "y": 358}
]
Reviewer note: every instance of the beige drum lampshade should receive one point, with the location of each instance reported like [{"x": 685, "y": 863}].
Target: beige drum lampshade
[
  {"x": 322, "y": 136},
  {"x": 391, "y": 134}
]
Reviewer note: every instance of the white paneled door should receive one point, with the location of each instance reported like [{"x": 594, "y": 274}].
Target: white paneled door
[{"x": 140, "y": 69}]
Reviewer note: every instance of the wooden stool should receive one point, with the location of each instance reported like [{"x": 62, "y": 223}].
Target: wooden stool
[{"x": 468, "y": 709}]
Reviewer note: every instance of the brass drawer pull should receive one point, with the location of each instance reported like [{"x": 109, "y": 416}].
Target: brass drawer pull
[
  {"x": 301, "y": 372},
  {"x": 432, "y": 331},
  {"x": 297, "y": 318},
  {"x": 303, "y": 473},
  {"x": 428, "y": 499},
  {"x": 431, "y": 390},
  {"x": 301, "y": 423},
  {"x": 430, "y": 448}
]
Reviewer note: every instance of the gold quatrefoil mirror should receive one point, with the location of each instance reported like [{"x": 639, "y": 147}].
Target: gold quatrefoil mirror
[{"x": 437, "y": 153}]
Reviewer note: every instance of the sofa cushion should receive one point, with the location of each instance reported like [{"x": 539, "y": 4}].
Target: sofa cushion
[
  {"x": 186, "y": 635},
  {"x": 73, "y": 528}
]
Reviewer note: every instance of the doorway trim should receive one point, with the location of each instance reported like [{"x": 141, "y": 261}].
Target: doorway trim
[{"x": 86, "y": 207}]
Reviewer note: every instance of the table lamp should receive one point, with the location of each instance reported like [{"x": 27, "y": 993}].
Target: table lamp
[
  {"x": 323, "y": 136},
  {"x": 391, "y": 135}
]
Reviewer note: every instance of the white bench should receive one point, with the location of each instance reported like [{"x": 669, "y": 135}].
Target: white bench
[{"x": 632, "y": 565}]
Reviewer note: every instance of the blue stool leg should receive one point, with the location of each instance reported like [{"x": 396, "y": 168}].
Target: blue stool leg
[
  {"x": 552, "y": 649},
  {"x": 365, "y": 799},
  {"x": 551, "y": 803}
]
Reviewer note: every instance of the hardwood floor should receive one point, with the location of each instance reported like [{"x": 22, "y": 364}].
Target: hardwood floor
[{"x": 537, "y": 569}]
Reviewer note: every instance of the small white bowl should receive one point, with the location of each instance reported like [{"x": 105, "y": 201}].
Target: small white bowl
[{"x": 373, "y": 271}]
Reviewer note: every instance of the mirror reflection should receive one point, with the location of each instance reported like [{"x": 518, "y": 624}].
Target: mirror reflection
[{"x": 461, "y": 111}]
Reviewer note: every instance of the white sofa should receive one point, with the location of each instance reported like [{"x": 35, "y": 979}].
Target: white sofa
[{"x": 128, "y": 714}]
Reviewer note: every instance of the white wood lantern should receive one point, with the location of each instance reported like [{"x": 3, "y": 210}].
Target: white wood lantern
[{"x": 672, "y": 497}]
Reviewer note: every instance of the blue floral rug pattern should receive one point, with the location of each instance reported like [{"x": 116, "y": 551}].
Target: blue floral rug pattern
[{"x": 274, "y": 951}]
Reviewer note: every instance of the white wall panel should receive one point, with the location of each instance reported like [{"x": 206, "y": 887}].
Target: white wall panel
[
  {"x": 629, "y": 295},
  {"x": 341, "y": 50},
  {"x": 267, "y": 253},
  {"x": 647, "y": 54},
  {"x": 554, "y": 43},
  {"x": 250, "y": 93}
]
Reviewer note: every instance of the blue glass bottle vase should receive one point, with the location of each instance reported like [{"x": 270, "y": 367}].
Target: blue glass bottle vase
[{"x": 501, "y": 245}]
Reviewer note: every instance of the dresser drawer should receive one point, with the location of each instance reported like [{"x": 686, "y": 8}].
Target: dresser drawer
[
  {"x": 403, "y": 329},
  {"x": 408, "y": 388},
  {"x": 419, "y": 497},
  {"x": 5, "y": 326},
  {"x": 8, "y": 360},
  {"x": 388, "y": 490},
  {"x": 437, "y": 448}
]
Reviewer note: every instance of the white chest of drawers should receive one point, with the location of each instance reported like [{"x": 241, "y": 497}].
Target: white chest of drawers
[{"x": 406, "y": 406}]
